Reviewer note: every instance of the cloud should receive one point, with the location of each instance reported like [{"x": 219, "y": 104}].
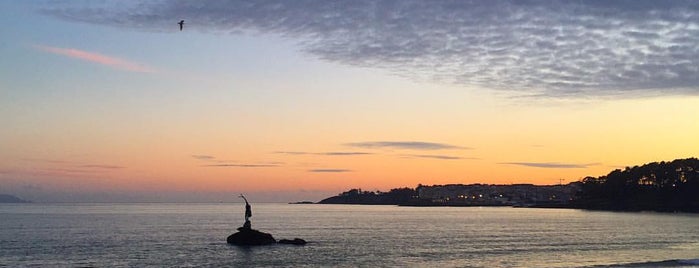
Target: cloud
[
  {"x": 244, "y": 165},
  {"x": 213, "y": 162},
  {"x": 441, "y": 157},
  {"x": 70, "y": 170},
  {"x": 532, "y": 48},
  {"x": 49, "y": 161},
  {"x": 410, "y": 145},
  {"x": 344, "y": 153},
  {"x": 323, "y": 153},
  {"x": 210, "y": 159},
  {"x": 102, "y": 166},
  {"x": 110, "y": 61},
  {"x": 292, "y": 153},
  {"x": 203, "y": 157},
  {"x": 61, "y": 172},
  {"x": 329, "y": 170},
  {"x": 549, "y": 164},
  {"x": 64, "y": 166}
]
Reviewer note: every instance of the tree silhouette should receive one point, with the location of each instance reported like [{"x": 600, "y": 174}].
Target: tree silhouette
[{"x": 659, "y": 186}]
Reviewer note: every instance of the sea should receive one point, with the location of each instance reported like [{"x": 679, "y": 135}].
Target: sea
[{"x": 194, "y": 235}]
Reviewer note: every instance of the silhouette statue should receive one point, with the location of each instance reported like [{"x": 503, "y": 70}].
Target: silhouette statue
[
  {"x": 248, "y": 213},
  {"x": 246, "y": 236},
  {"x": 181, "y": 23}
]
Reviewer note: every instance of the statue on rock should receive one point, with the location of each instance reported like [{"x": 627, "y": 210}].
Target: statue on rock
[{"x": 246, "y": 236}]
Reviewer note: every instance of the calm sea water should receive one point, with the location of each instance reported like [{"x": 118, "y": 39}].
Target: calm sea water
[{"x": 194, "y": 235}]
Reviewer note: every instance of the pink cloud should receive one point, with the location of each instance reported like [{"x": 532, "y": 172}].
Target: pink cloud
[{"x": 113, "y": 62}]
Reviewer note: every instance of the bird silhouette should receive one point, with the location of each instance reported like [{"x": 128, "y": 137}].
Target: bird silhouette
[{"x": 181, "y": 23}]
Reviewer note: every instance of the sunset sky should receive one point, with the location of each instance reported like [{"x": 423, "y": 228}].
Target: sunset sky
[{"x": 299, "y": 100}]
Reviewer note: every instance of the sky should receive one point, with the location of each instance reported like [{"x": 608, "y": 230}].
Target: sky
[{"x": 108, "y": 101}]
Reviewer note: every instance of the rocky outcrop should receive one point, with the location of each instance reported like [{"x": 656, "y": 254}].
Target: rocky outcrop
[{"x": 250, "y": 237}]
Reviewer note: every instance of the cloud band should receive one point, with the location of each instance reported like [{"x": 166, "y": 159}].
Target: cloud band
[{"x": 535, "y": 48}]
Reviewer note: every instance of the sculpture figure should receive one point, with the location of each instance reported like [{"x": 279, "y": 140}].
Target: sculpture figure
[{"x": 248, "y": 213}]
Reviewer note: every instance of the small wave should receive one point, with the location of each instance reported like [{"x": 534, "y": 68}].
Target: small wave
[{"x": 666, "y": 263}]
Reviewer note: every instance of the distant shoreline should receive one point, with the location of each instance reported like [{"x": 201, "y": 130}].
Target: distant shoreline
[
  {"x": 671, "y": 186},
  {"x": 11, "y": 199},
  {"x": 531, "y": 206}
]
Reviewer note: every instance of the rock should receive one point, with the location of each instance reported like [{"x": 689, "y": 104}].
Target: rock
[
  {"x": 296, "y": 241},
  {"x": 250, "y": 237}
]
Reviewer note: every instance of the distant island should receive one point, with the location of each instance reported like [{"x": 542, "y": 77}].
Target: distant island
[
  {"x": 659, "y": 186},
  {"x": 6, "y": 198}
]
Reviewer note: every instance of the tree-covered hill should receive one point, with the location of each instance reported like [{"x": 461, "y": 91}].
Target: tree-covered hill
[{"x": 657, "y": 186}]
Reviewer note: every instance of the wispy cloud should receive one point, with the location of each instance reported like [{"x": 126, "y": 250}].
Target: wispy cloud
[
  {"x": 50, "y": 161},
  {"x": 102, "y": 166},
  {"x": 549, "y": 164},
  {"x": 70, "y": 170},
  {"x": 534, "y": 48},
  {"x": 243, "y": 165},
  {"x": 441, "y": 157},
  {"x": 212, "y": 161},
  {"x": 344, "y": 153},
  {"x": 323, "y": 153},
  {"x": 203, "y": 157},
  {"x": 410, "y": 145},
  {"x": 292, "y": 152},
  {"x": 329, "y": 170},
  {"x": 56, "y": 169},
  {"x": 113, "y": 62},
  {"x": 73, "y": 166}
]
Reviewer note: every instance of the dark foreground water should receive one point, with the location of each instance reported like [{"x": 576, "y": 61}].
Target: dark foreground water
[{"x": 194, "y": 235}]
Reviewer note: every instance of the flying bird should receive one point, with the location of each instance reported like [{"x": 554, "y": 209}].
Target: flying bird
[{"x": 181, "y": 23}]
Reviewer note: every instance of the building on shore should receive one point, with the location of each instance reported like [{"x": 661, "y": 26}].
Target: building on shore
[{"x": 503, "y": 195}]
